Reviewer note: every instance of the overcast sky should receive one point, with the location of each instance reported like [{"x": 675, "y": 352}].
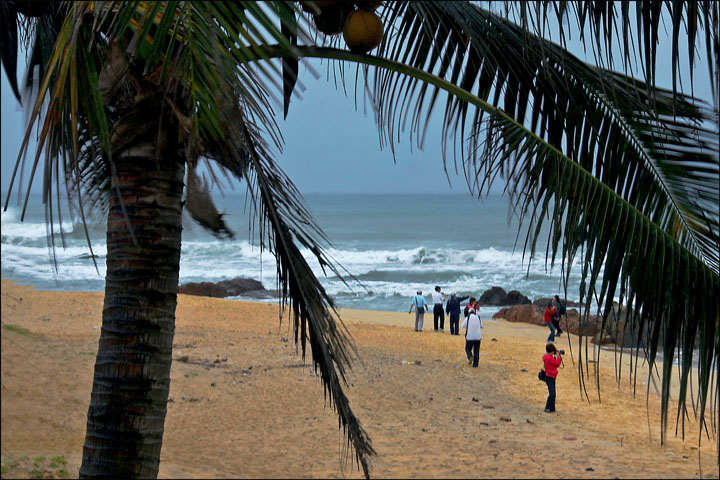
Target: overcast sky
[{"x": 332, "y": 148}]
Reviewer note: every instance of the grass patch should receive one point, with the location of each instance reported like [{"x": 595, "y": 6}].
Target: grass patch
[
  {"x": 35, "y": 467},
  {"x": 57, "y": 461},
  {"x": 14, "y": 328}
]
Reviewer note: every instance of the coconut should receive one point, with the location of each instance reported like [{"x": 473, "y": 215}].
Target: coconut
[{"x": 363, "y": 31}]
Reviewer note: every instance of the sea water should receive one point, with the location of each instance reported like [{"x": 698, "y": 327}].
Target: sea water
[{"x": 389, "y": 246}]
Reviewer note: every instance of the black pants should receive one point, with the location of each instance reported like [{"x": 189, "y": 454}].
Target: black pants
[
  {"x": 550, "y": 404},
  {"x": 556, "y": 322},
  {"x": 472, "y": 349},
  {"x": 438, "y": 312},
  {"x": 454, "y": 323}
]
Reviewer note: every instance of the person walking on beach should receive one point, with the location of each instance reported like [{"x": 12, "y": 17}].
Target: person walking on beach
[
  {"x": 453, "y": 310},
  {"x": 550, "y": 312},
  {"x": 420, "y": 305},
  {"x": 552, "y": 360},
  {"x": 559, "y": 312},
  {"x": 438, "y": 299},
  {"x": 473, "y": 337}
]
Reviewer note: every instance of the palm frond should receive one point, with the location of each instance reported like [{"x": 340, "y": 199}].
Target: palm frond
[
  {"x": 603, "y": 117},
  {"x": 636, "y": 28}
]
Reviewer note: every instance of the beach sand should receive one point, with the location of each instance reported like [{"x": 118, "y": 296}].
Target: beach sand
[{"x": 243, "y": 405}]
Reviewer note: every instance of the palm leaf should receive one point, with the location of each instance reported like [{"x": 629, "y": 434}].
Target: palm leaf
[{"x": 601, "y": 22}]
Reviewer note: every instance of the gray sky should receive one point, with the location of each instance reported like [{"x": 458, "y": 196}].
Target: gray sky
[
  {"x": 332, "y": 148},
  {"x": 329, "y": 146}
]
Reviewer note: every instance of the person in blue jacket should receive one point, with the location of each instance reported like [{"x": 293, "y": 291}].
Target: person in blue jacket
[
  {"x": 453, "y": 309},
  {"x": 420, "y": 305}
]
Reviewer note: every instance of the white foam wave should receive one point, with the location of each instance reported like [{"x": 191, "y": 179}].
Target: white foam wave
[{"x": 13, "y": 228}]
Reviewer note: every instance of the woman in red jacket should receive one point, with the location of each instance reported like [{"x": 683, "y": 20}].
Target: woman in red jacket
[
  {"x": 550, "y": 312},
  {"x": 552, "y": 360}
]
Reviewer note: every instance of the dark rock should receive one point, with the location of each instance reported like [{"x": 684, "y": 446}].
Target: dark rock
[
  {"x": 202, "y": 289},
  {"x": 493, "y": 296},
  {"x": 228, "y": 288},
  {"x": 542, "y": 302},
  {"x": 239, "y": 286},
  {"x": 516, "y": 298}
]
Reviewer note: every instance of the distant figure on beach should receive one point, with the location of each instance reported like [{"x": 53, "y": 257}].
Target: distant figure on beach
[
  {"x": 453, "y": 310},
  {"x": 473, "y": 336},
  {"x": 420, "y": 305},
  {"x": 559, "y": 312},
  {"x": 552, "y": 360},
  {"x": 438, "y": 312},
  {"x": 550, "y": 312}
]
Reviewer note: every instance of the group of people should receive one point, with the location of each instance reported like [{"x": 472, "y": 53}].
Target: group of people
[
  {"x": 472, "y": 324},
  {"x": 473, "y": 330}
]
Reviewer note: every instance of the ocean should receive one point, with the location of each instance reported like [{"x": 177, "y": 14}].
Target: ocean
[{"x": 392, "y": 244}]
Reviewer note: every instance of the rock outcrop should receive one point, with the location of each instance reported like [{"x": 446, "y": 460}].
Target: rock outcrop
[
  {"x": 246, "y": 287},
  {"x": 533, "y": 314},
  {"x": 202, "y": 289},
  {"x": 498, "y": 296},
  {"x": 240, "y": 286}
]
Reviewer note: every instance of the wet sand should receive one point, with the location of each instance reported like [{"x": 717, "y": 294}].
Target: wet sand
[{"x": 244, "y": 405}]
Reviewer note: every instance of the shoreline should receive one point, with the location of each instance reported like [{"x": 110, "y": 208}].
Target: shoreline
[{"x": 245, "y": 415}]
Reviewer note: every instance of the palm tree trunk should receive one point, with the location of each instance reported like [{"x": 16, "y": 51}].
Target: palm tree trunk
[{"x": 132, "y": 372}]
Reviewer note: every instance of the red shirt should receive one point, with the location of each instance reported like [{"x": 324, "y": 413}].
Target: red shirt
[
  {"x": 549, "y": 312},
  {"x": 551, "y": 364}
]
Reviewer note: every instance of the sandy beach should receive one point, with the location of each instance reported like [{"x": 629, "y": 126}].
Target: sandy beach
[{"x": 244, "y": 405}]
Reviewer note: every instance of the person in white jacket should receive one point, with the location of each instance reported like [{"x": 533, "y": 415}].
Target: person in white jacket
[{"x": 473, "y": 336}]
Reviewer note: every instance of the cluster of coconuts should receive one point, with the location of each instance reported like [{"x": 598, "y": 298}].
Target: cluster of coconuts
[{"x": 362, "y": 29}]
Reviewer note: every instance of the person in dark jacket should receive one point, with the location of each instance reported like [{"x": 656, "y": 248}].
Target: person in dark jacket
[
  {"x": 559, "y": 312},
  {"x": 453, "y": 309}
]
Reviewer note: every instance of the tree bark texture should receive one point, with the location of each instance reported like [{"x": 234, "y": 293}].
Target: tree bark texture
[{"x": 128, "y": 404}]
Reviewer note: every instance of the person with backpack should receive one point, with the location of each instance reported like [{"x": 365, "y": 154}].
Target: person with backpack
[
  {"x": 453, "y": 310},
  {"x": 473, "y": 337},
  {"x": 559, "y": 312},
  {"x": 418, "y": 301}
]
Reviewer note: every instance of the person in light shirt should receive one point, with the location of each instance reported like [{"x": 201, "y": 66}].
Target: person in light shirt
[
  {"x": 438, "y": 311},
  {"x": 418, "y": 301},
  {"x": 473, "y": 336}
]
